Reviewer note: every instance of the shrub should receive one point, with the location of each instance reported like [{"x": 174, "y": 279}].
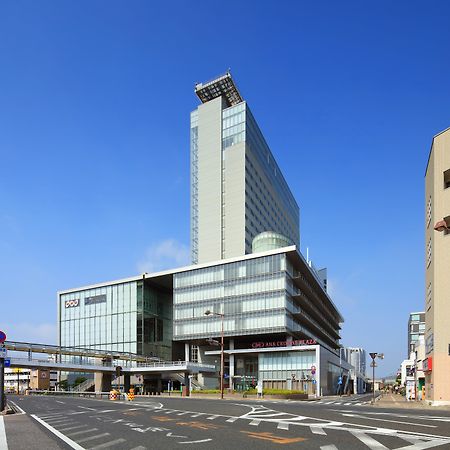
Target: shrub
[
  {"x": 274, "y": 392},
  {"x": 206, "y": 391}
]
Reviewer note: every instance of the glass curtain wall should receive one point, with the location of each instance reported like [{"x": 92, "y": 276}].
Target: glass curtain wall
[
  {"x": 154, "y": 321},
  {"x": 250, "y": 293},
  {"x": 102, "y": 318}
]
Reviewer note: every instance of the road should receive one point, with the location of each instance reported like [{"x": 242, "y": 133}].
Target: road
[{"x": 176, "y": 423}]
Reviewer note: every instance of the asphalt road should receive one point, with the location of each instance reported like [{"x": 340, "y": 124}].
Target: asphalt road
[{"x": 176, "y": 423}]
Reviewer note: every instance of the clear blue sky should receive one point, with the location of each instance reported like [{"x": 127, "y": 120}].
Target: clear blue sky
[{"x": 94, "y": 142}]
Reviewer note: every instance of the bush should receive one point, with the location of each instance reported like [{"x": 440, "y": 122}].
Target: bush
[
  {"x": 206, "y": 391},
  {"x": 273, "y": 392}
]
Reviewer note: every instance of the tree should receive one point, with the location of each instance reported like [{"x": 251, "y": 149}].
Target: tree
[{"x": 79, "y": 380}]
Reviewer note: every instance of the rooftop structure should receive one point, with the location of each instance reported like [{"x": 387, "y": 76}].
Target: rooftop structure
[{"x": 222, "y": 86}]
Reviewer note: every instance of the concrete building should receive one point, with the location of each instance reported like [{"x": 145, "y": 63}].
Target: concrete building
[
  {"x": 437, "y": 270},
  {"x": 237, "y": 188},
  {"x": 416, "y": 328},
  {"x": 280, "y": 325},
  {"x": 18, "y": 380}
]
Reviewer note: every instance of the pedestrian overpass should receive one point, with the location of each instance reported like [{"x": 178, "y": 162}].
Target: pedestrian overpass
[{"x": 104, "y": 364}]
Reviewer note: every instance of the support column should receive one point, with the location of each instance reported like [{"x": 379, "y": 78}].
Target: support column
[
  {"x": 231, "y": 379},
  {"x": 126, "y": 382},
  {"x": 187, "y": 387},
  {"x": 186, "y": 352},
  {"x": 102, "y": 381}
]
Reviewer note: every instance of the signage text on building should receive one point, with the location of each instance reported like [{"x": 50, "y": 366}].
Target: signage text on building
[
  {"x": 283, "y": 343},
  {"x": 72, "y": 303}
]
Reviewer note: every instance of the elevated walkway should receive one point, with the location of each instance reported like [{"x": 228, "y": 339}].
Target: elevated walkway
[{"x": 132, "y": 367}]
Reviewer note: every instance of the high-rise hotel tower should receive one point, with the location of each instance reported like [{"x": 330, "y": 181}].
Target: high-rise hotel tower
[{"x": 237, "y": 188}]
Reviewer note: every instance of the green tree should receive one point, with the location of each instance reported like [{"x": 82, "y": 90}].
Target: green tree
[{"x": 79, "y": 380}]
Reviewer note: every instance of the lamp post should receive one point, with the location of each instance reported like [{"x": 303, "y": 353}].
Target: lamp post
[
  {"x": 373, "y": 364},
  {"x": 208, "y": 313}
]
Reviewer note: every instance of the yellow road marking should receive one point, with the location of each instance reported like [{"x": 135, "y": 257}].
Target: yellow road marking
[
  {"x": 272, "y": 438},
  {"x": 162, "y": 418},
  {"x": 200, "y": 425}
]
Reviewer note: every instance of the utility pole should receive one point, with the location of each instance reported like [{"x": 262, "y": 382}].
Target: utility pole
[
  {"x": 373, "y": 365},
  {"x": 221, "y": 315}
]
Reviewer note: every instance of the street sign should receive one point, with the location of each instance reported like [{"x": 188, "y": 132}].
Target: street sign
[
  {"x": 3, "y": 352},
  {"x": 340, "y": 380},
  {"x": 373, "y": 355},
  {"x": 7, "y": 362},
  {"x": 313, "y": 370},
  {"x": 2, "y": 336}
]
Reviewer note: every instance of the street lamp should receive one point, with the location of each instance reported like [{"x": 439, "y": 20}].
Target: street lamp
[
  {"x": 208, "y": 313},
  {"x": 373, "y": 365}
]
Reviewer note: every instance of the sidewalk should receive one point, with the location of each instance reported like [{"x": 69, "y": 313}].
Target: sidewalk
[{"x": 398, "y": 401}]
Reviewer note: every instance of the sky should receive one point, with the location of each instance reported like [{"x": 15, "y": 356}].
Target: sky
[{"x": 94, "y": 142}]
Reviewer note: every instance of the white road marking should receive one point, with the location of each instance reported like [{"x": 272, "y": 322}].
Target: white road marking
[
  {"x": 60, "y": 422},
  {"x": 358, "y": 416},
  {"x": 338, "y": 403},
  {"x": 329, "y": 403},
  {"x": 57, "y": 401},
  {"x": 255, "y": 422},
  {"x": 328, "y": 447},
  {"x": 317, "y": 430},
  {"x": 91, "y": 438},
  {"x": 139, "y": 448},
  {"x": 108, "y": 444},
  {"x": 17, "y": 407},
  {"x": 212, "y": 417},
  {"x": 230, "y": 420},
  {"x": 82, "y": 432},
  {"x": 106, "y": 411},
  {"x": 72, "y": 428},
  {"x": 346, "y": 404},
  {"x": 3, "y": 442},
  {"x": 85, "y": 407},
  {"x": 67, "y": 440},
  {"x": 195, "y": 442},
  {"x": 283, "y": 426},
  {"x": 369, "y": 441}
]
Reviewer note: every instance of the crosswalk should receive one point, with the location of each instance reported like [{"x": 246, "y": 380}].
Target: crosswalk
[
  {"x": 92, "y": 435},
  {"x": 339, "y": 402}
]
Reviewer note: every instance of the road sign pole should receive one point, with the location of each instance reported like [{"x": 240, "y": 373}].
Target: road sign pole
[{"x": 2, "y": 384}]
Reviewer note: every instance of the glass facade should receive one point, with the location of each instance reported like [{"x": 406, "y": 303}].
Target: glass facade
[
  {"x": 122, "y": 317},
  {"x": 105, "y": 325},
  {"x": 194, "y": 187},
  {"x": 255, "y": 295},
  {"x": 282, "y": 365},
  {"x": 250, "y": 293}
]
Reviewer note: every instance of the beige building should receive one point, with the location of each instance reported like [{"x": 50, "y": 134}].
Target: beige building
[{"x": 437, "y": 271}]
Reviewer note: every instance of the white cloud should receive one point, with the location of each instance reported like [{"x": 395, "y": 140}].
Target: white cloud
[
  {"x": 40, "y": 333},
  {"x": 163, "y": 255}
]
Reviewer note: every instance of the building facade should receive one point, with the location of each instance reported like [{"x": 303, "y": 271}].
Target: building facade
[
  {"x": 280, "y": 325},
  {"x": 237, "y": 188},
  {"x": 132, "y": 315},
  {"x": 437, "y": 270},
  {"x": 416, "y": 328}
]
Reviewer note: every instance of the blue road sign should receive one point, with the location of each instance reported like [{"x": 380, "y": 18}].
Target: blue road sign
[
  {"x": 7, "y": 362},
  {"x": 340, "y": 380}
]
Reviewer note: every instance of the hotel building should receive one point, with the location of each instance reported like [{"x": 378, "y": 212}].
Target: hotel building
[{"x": 280, "y": 325}]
